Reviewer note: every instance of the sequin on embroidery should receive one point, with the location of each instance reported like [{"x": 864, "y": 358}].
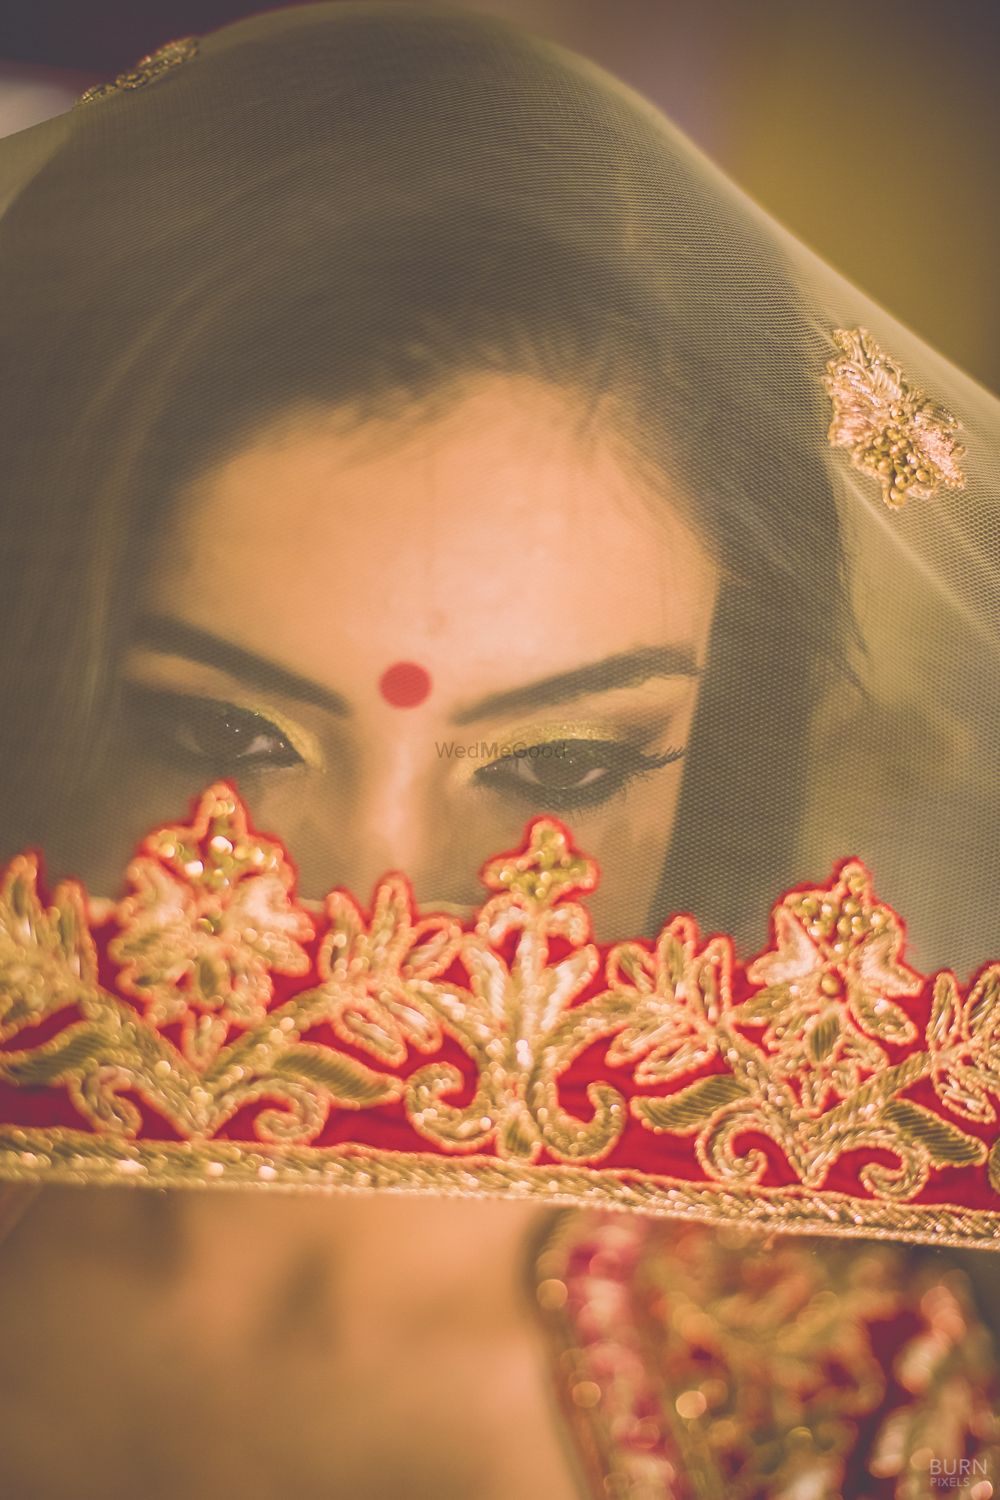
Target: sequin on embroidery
[
  {"x": 709, "y": 1365},
  {"x": 147, "y": 70},
  {"x": 207, "y": 1027},
  {"x": 893, "y": 431}
]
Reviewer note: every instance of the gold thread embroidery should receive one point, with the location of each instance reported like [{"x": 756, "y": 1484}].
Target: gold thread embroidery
[
  {"x": 946, "y": 1370},
  {"x": 738, "y": 1373},
  {"x": 209, "y": 922},
  {"x": 806, "y": 1056},
  {"x": 379, "y": 977},
  {"x": 147, "y": 70},
  {"x": 746, "y": 1346},
  {"x": 517, "y": 1020},
  {"x": 584, "y": 1285},
  {"x": 46, "y": 957},
  {"x": 826, "y": 1002},
  {"x": 62, "y": 1155},
  {"x": 894, "y": 432}
]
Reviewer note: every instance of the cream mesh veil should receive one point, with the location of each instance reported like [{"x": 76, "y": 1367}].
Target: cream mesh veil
[{"x": 363, "y": 205}]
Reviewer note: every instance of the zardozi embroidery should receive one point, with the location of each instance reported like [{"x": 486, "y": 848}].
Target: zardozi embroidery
[
  {"x": 207, "y": 1026},
  {"x": 893, "y": 431},
  {"x": 147, "y": 70},
  {"x": 692, "y": 1365}
]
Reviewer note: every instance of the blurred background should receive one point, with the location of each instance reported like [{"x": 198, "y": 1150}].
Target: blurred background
[{"x": 870, "y": 128}]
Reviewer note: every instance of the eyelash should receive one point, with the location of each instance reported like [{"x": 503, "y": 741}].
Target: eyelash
[
  {"x": 161, "y": 722},
  {"x": 624, "y": 762},
  {"x": 162, "y": 714}
]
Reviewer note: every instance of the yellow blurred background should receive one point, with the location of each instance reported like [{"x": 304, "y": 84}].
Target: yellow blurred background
[{"x": 870, "y": 128}]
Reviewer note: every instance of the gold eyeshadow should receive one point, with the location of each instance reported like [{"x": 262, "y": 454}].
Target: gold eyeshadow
[
  {"x": 303, "y": 741},
  {"x": 476, "y": 752}
]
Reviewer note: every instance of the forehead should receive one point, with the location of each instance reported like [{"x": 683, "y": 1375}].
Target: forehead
[{"x": 507, "y": 528}]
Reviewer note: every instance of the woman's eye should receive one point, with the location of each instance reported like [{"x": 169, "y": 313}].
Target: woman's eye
[
  {"x": 571, "y": 773},
  {"x": 203, "y": 732}
]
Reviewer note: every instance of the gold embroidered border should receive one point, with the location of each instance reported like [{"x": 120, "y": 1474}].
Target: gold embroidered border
[
  {"x": 60, "y": 1155},
  {"x": 803, "y": 1052}
]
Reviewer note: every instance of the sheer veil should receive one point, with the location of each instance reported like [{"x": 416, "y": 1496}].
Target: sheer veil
[{"x": 342, "y": 202}]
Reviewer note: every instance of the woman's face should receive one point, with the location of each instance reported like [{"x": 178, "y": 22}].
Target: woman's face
[{"x": 403, "y": 638}]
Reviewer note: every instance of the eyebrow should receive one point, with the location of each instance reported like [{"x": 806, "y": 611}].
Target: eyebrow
[
  {"x": 626, "y": 669},
  {"x": 178, "y": 638}
]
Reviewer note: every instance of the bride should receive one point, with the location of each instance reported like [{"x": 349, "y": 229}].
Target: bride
[{"x": 405, "y": 425}]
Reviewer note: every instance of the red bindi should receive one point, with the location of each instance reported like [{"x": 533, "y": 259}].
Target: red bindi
[{"x": 405, "y": 684}]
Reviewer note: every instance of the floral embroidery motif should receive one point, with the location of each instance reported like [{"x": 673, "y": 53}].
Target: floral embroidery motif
[
  {"x": 964, "y": 1038},
  {"x": 46, "y": 956},
  {"x": 209, "y": 923},
  {"x": 147, "y": 70},
  {"x": 894, "y": 432},
  {"x": 518, "y": 1019},
  {"x": 836, "y": 964},
  {"x": 206, "y": 1025},
  {"x": 378, "y": 977},
  {"x": 827, "y": 1001}
]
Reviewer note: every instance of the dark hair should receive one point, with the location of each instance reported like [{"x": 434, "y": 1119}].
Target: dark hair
[{"x": 364, "y": 210}]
